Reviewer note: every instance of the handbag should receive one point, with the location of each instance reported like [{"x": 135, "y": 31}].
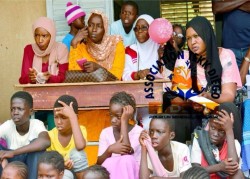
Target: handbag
[{"x": 98, "y": 75}]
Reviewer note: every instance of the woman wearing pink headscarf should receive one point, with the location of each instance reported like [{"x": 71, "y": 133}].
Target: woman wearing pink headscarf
[{"x": 45, "y": 61}]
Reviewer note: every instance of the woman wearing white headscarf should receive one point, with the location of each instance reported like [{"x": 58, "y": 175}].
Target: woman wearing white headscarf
[{"x": 142, "y": 55}]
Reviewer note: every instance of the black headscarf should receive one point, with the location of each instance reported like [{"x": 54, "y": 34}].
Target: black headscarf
[{"x": 204, "y": 29}]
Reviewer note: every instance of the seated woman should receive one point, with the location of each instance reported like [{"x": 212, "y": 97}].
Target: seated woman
[
  {"x": 213, "y": 69},
  {"x": 100, "y": 50},
  {"x": 143, "y": 54},
  {"x": 119, "y": 148},
  {"x": 45, "y": 61}
]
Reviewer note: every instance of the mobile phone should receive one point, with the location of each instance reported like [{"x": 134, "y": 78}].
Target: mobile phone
[{"x": 81, "y": 62}]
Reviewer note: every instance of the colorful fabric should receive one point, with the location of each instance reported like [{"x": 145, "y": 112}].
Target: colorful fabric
[
  {"x": 81, "y": 52},
  {"x": 73, "y": 12},
  {"x": 246, "y": 136},
  {"x": 67, "y": 40},
  {"x": 104, "y": 52},
  {"x": 198, "y": 157},
  {"x": 14, "y": 139},
  {"x": 56, "y": 77},
  {"x": 56, "y": 145},
  {"x": 118, "y": 29},
  {"x": 54, "y": 49}
]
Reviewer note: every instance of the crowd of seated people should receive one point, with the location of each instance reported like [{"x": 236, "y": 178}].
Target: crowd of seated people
[{"x": 126, "y": 150}]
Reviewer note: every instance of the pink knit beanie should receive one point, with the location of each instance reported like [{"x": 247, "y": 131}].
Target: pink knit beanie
[{"x": 73, "y": 12}]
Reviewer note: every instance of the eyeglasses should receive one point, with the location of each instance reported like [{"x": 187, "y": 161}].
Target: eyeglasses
[
  {"x": 180, "y": 36},
  {"x": 142, "y": 28}
]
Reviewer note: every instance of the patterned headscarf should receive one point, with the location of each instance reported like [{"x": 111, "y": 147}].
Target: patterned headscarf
[{"x": 104, "y": 53}]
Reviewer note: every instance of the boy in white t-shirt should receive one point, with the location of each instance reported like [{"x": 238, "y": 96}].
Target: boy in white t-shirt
[
  {"x": 25, "y": 138},
  {"x": 173, "y": 156}
]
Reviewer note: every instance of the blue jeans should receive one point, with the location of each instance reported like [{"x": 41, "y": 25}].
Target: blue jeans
[
  {"x": 239, "y": 54},
  {"x": 30, "y": 159}
]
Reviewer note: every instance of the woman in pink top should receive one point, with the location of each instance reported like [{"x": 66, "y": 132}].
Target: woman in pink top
[
  {"x": 213, "y": 69},
  {"x": 45, "y": 61},
  {"x": 119, "y": 148}
]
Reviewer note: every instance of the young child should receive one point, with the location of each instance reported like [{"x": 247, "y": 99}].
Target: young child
[
  {"x": 124, "y": 26},
  {"x": 171, "y": 157},
  {"x": 15, "y": 170},
  {"x": 225, "y": 149},
  {"x": 51, "y": 165},
  {"x": 26, "y": 139},
  {"x": 96, "y": 172},
  {"x": 119, "y": 147},
  {"x": 76, "y": 20},
  {"x": 68, "y": 138}
]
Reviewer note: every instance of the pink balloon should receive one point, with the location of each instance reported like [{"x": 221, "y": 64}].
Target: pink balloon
[{"x": 160, "y": 30}]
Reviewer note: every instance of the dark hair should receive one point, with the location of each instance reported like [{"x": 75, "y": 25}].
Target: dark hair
[
  {"x": 196, "y": 172},
  {"x": 67, "y": 99},
  {"x": 131, "y": 3},
  {"x": 53, "y": 158},
  {"x": 98, "y": 169},
  {"x": 23, "y": 95},
  {"x": 22, "y": 169},
  {"x": 183, "y": 33},
  {"x": 169, "y": 121},
  {"x": 124, "y": 99},
  {"x": 205, "y": 30}
]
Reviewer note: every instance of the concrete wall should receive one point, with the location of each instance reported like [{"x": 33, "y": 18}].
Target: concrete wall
[{"x": 17, "y": 17}]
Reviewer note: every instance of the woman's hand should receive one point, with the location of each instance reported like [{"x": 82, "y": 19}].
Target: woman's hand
[
  {"x": 141, "y": 74},
  {"x": 32, "y": 75},
  {"x": 46, "y": 75},
  {"x": 120, "y": 148},
  {"x": 161, "y": 51},
  {"x": 81, "y": 35},
  {"x": 90, "y": 66}
]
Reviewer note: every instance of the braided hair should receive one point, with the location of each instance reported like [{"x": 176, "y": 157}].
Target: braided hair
[
  {"x": 52, "y": 158},
  {"x": 99, "y": 170},
  {"x": 22, "y": 169},
  {"x": 123, "y": 99},
  {"x": 196, "y": 172}
]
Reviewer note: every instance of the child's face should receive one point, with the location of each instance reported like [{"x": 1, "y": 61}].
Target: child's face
[
  {"x": 216, "y": 133},
  {"x": 62, "y": 122},
  {"x": 10, "y": 173},
  {"x": 128, "y": 15},
  {"x": 79, "y": 23},
  {"x": 47, "y": 171},
  {"x": 91, "y": 175},
  {"x": 42, "y": 38},
  {"x": 115, "y": 115},
  {"x": 20, "y": 112},
  {"x": 141, "y": 30},
  {"x": 160, "y": 134}
]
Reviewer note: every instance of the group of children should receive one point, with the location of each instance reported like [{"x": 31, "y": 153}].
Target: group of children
[{"x": 125, "y": 150}]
